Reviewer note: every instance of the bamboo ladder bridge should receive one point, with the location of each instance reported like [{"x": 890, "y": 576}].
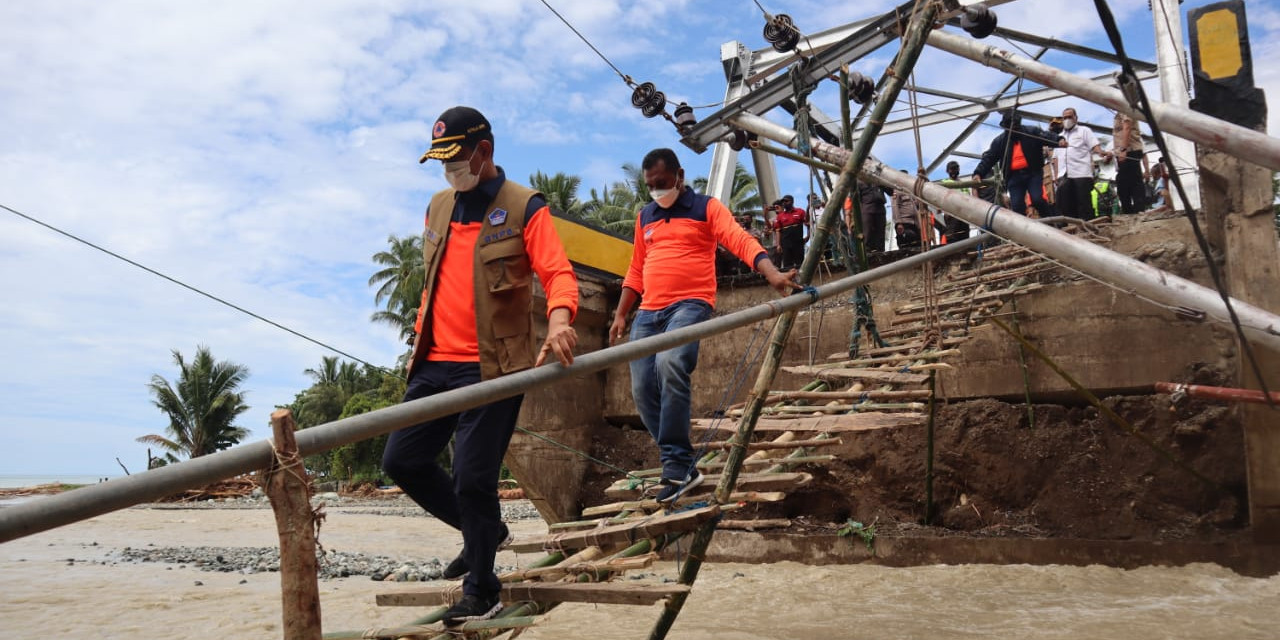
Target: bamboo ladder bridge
[{"x": 779, "y": 433}]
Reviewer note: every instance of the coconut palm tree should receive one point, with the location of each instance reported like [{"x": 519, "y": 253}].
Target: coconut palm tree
[
  {"x": 560, "y": 190},
  {"x": 401, "y": 275},
  {"x": 202, "y": 405},
  {"x": 745, "y": 195},
  {"x": 400, "y": 283},
  {"x": 613, "y": 209}
]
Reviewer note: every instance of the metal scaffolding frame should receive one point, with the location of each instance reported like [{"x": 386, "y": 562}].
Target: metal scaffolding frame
[{"x": 755, "y": 86}]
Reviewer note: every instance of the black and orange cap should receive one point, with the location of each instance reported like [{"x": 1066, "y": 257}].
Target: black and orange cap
[{"x": 454, "y": 128}]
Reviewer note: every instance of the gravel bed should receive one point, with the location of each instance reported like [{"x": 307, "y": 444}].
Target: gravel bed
[
  {"x": 512, "y": 510},
  {"x": 333, "y": 564}
]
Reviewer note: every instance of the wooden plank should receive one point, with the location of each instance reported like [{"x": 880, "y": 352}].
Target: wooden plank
[
  {"x": 888, "y": 376},
  {"x": 759, "y": 462},
  {"x": 746, "y": 482},
  {"x": 861, "y": 362},
  {"x": 627, "y": 532},
  {"x": 869, "y": 394},
  {"x": 433, "y": 630},
  {"x": 652, "y": 505},
  {"x": 831, "y": 424},
  {"x": 547, "y": 592},
  {"x": 769, "y": 446}
]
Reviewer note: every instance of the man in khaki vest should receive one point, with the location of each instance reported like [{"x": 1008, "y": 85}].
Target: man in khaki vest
[{"x": 485, "y": 238}]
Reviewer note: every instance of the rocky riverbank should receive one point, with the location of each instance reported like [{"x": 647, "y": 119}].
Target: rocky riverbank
[{"x": 248, "y": 560}]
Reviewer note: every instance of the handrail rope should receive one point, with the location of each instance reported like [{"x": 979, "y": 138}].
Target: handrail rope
[{"x": 1143, "y": 104}]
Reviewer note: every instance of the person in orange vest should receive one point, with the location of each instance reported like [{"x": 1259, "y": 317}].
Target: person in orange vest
[
  {"x": 485, "y": 239},
  {"x": 1019, "y": 152},
  {"x": 672, "y": 276}
]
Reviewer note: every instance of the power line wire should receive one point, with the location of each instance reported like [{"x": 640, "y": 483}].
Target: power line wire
[
  {"x": 625, "y": 78},
  {"x": 187, "y": 286}
]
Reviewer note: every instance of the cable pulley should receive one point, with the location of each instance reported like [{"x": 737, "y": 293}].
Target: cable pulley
[
  {"x": 781, "y": 33},
  {"x": 978, "y": 20}
]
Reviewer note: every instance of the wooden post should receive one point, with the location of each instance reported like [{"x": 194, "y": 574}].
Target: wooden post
[{"x": 289, "y": 489}]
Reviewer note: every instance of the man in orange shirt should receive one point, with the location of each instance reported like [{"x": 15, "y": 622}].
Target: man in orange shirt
[
  {"x": 673, "y": 268},
  {"x": 485, "y": 239}
]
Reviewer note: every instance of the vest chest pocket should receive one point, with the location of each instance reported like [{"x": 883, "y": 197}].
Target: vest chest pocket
[{"x": 506, "y": 267}]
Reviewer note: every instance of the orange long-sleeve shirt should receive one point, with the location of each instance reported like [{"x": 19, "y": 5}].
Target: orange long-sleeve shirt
[
  {"x": 674, "y": 252},
  {"x": 453, "y": 304}
]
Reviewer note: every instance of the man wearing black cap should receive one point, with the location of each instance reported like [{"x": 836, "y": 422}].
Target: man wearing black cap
[
  {"x": 1019, "y": 151},
  {"x": 955, "y": 228},
  {"x": 485, "y": 238}
]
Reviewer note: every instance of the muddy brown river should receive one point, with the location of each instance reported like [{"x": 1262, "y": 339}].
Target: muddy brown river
[{"x": 52, "y": 585}]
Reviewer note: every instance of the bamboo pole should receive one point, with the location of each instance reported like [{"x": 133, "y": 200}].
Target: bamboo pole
[
  {"x": 928, "y": 461},
  {"x": 916, "y": 32},
  {"x": 289, "y": 490}
]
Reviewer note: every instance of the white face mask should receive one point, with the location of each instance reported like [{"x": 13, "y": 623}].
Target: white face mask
[
  {"x": 459, "y": 175},
  {"x": 1068, "y": 123},
  {"x": 666, "y": 197}
]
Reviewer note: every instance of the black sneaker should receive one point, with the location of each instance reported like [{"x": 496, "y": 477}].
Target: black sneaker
[
  {"x": 471, "y": 608},
  {"x": 458, "y": 567},
  {"x": 674, "y": 489}
]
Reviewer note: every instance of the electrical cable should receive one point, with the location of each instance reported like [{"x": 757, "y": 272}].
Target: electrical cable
[
  {"x": 187, "y": 286},
  {"x": 625, "y": 78},
  {"x": 1144, "y": 106}
]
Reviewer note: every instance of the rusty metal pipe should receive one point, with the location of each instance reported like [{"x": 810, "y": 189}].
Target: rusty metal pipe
[{"x": 1217, "y": 393}]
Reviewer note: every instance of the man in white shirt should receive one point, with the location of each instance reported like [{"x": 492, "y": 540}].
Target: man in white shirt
[{"x": 1074, "y": 198}]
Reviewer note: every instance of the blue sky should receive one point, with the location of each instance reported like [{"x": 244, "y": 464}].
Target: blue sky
[{"x": 264, "y": 151}]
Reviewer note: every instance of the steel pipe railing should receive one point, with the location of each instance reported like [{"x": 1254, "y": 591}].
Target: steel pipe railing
[
  {"x": 86, "y": 502},
  {"x": 1101, "y": 263}
]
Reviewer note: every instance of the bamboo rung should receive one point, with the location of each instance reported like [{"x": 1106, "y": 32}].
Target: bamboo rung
[
  {"x": 969, "y": 299},
  {"x": 594, "y": 592},
  {"x": 746, "y": 482},
  {"x": 651, "y": 504},
  {"x": 831, "y": 424},
  {"x": 794, "y": 444},
  {"x": 627, "y": 532}
]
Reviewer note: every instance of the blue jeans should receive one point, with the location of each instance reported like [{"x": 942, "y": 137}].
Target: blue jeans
[{"x": 660, "y": 383}]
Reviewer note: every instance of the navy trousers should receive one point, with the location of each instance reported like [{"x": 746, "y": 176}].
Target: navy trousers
[{"x": 467, "y": 501}]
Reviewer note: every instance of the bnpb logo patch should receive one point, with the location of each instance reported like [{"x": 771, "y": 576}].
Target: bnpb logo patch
[{"x": 438, "y": 129}]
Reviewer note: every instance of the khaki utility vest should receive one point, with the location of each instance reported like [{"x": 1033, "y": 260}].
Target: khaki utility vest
[{"x": 503, "y": 280}]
